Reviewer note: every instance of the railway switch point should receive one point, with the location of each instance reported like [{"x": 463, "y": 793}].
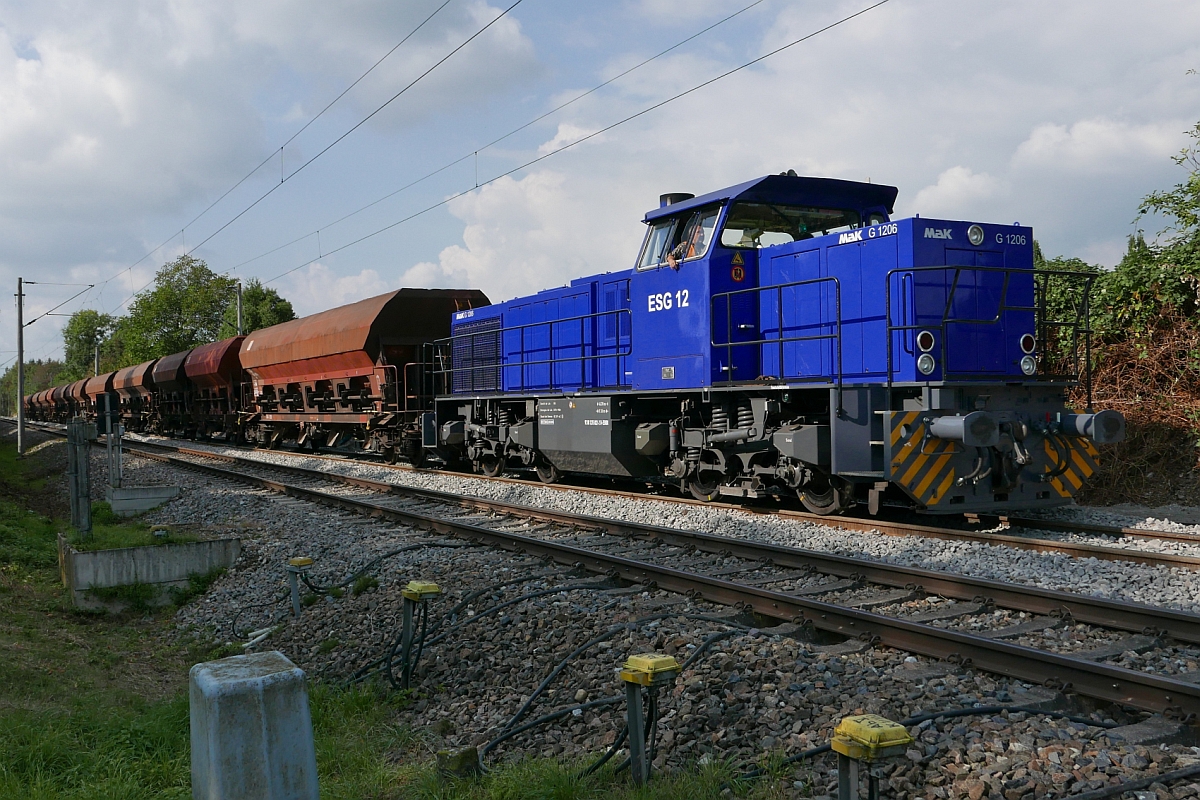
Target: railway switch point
[
  {"x": 296, "y": 566},
  {"x": 646, "y": 671},
  {"x": 413, "y": 594},
  {"x": 861, "y": 741}
]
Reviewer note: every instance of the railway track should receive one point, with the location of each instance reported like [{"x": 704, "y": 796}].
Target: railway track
[
  {"x": 888, "y": 527},
  {"x": 855, "y": 598}
]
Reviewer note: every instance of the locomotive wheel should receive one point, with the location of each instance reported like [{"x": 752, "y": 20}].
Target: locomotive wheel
[
  {"x": 548, "y": 473},
  {"x": 490, "y": 466},
  {"x": 391, "y": 455},
  {"x": 706, "y": 489},
  {"x": 836, "y": 498}
]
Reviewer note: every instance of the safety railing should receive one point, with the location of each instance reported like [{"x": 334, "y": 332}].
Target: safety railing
[
  {"x": 1078, "y": 330},
  {"x": 780, "y": 341},
  {"x": 499, "y": 360}
]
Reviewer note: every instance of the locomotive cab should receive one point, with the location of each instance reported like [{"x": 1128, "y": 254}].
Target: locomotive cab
[{"x": 698, "y": 271}]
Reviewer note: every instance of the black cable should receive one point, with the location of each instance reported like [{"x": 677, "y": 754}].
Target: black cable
[
  {"x": 233, "y": 623},
  {"x": 951, "y": 714},
  {"x": 716, "y": 637},
  {"x": 608, "y": 754},
  {"x": 1140, "y": 783},
  {"x": 327, "y": 589},
  {"x": 365, "y": 670},
  {"x": 608, "y": 634},
  {"x": 472, "y": 596},
  {"x": 421, "y": 641},
  {"x": 651, "y": 723},
  {"x": 391, "y": 656},
  {"x": 551, "y": 717}
]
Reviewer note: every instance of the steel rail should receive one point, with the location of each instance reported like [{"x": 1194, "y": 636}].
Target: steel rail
[
  {"x": 858, "y": 524},
  {"x": 1135, "y": 617},
  {"x": 1102, "y": 681}
]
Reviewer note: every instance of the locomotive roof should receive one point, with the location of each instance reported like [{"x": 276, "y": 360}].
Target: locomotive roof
[{"x": 793, "y": 190}]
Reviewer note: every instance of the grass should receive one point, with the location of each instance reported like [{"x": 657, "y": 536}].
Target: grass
[
  {"x": 110, "y": 532},
  {"x": 95, "y": 706},
  {"x": 549, "y": 779}
]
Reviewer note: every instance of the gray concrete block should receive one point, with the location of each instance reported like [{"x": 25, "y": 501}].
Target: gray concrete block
[
  {"x": 1155, "y": 730},
  {"x": 1037, "y": 697},
  {"x": 130, "y": 500},
  {"x": 163, "y": 565},
  {"x": 251, "y": 730}
]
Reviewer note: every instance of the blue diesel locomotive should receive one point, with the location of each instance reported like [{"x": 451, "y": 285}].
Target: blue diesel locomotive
[{"x": 785, "y": 335}]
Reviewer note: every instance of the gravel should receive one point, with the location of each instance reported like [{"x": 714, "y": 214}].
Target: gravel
[
  {"x": 754, "y": 692},
  {"x": 1176, "y": 588}
]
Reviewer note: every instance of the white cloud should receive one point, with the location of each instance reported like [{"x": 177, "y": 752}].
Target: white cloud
[
  {"x": 957, "y": 189},
  {"x": 529, "y": 234},
  {"x": 1096, "y": 145},
  {"x": 566, "y": 134},
  {"x": 317, "y": 287}
]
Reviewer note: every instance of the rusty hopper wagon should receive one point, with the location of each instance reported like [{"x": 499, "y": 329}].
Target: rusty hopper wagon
[
  {"x": 354, "y": 372},
  {"x": 216, "y": 381},
  {"x": 135, "y": 387},
  {"x": 173, "y": 391}
]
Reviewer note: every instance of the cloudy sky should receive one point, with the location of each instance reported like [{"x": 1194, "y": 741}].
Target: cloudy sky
[{"x": 121, "y": 122}]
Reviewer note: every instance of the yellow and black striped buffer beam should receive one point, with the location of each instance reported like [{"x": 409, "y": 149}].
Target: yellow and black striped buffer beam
[
  {"x": 925, "y": 468},
  {"x": 1069, "y": 470}
]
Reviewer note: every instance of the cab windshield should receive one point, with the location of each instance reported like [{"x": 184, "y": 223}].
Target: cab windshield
[{"x": 753, "y": 225}]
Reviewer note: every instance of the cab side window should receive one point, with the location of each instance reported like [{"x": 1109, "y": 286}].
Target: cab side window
[
  {"x": 658, "y": 241},
  {"x": 697, "y": 235}
]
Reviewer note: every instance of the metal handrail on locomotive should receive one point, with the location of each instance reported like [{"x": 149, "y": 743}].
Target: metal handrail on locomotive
[{"x": 784, "y": 336}]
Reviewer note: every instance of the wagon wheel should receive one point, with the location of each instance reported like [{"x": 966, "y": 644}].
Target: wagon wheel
[
  {"x": 826, "y": 496},
  {"x": 417, "y": 458},
  {"x": 705, "y": 486},
  {"x": 391, "y": 455},
  {"x": 547, "y": 472},
  {"x": 490, "y": 466}
]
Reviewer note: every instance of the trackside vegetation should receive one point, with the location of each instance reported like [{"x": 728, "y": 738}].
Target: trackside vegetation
[{"x": 95, "y": 705}]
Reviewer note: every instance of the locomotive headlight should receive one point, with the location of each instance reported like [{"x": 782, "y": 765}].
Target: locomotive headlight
[
  {"x": 1028, "y": 343},
  {"x": 925, "y": 363},
  {"x": 1028, "y": 365},
  {"x": 975, "y": 235},
  {"x": 925, "y": 341}
]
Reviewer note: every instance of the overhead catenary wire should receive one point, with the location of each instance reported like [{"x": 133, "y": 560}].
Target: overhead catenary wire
[
  {"x": 475, "y": 153},
  {"x": 589, "y": 136},
  {"x": 271, "y": 156},
  {"x": 357, "y": 125}
]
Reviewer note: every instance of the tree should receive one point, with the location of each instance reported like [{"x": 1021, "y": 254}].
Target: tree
[
  {"x": 261, "y": 308},
  {"x": 84, "y": 330},
  {"x": 39, "y": 375},
  {"x": 184, "y": 309}
]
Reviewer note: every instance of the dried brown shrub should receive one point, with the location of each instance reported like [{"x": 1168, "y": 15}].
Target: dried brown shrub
[{"x": 1153, "y": 378}]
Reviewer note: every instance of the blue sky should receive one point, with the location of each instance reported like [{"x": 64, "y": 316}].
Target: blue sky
[{"x": 121, "y": 121}]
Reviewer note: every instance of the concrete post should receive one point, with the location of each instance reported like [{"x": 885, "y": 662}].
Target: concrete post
[
  {"x": 77, "y": 471},
  {"x": 239, "y": 309},
  {"x": 20, "y": 369},
  {"x": 252, "y": 732}
]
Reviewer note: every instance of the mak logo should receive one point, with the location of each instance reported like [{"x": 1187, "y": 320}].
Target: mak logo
[
  {"x": 938, "y": 233},
  {"x": 850, "y": 236}
]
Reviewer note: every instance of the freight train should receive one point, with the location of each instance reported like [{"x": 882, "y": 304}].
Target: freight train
[{"x": 784, "y": 336}]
